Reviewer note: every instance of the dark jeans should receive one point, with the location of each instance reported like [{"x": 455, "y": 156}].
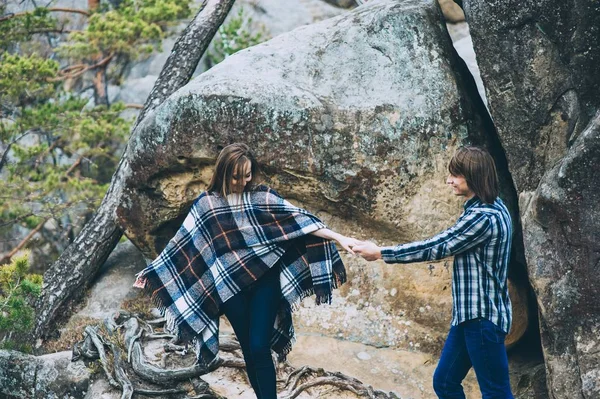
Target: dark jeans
[
  {"x": 252, "y": 315},
  {"x": 478, "y": 343}
]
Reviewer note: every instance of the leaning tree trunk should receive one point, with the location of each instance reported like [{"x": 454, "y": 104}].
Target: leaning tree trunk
[{"x": 80, "y": 262}]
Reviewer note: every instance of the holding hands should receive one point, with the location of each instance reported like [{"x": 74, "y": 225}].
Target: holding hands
[
  {"x": 368, "y": 250},
  {"x": 348, "y": 243}
]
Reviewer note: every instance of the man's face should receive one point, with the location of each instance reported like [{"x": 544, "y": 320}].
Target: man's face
[{"x": 459, "y": 186}]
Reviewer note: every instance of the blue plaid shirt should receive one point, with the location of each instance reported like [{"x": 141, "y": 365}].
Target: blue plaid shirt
[{"x": 480, "y": 242}]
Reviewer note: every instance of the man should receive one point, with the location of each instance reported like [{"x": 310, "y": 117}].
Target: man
[{"x": 480, "y": 241}]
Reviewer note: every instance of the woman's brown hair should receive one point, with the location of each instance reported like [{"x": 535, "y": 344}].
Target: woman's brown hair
[
  {"x": 477, "y": 166},
  {"x": 232, "y": 160}
]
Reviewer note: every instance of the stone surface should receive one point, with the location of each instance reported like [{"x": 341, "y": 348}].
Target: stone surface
[
  {"x": 51, "y": 376},
  {"x": 539, "y": 63},
  {"x": 562, "y": 226},
  {"x": 272, "y": 17},
  {"x": 373, "y": 142},
  {"x": 114, "y": 282}
]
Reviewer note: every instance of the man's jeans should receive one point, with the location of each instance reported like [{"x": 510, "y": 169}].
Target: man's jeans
[{"x": 476, "y": 343}]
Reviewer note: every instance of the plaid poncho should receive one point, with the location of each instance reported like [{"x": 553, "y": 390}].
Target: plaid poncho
[{"x": 222, "y": 248}]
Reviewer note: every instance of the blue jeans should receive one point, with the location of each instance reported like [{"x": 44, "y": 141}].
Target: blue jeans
[
  {"x": 252, "y": 315},
  {"x": 476, "y": 343}
]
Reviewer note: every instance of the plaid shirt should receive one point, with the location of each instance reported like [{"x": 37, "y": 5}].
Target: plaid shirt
[
  {"x": 480, "y": 242},
  {"x": 224, "y": 246}
]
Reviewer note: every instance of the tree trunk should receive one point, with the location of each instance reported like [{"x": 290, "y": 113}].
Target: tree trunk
[
  {"x": 100, "y": 86},
  {"x": 187, "y": 52},
  {"x": 79, "y": 263}
]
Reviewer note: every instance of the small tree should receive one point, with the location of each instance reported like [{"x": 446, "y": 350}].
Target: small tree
[
  {"x": 57, "y": 154},
  {"x": 18, "y": 291},
  {"x": 53, "y": 145}
]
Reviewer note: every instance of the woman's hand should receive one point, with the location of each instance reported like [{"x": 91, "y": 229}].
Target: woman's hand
[
  {"x": 345, "y": 242},
  {"x": 140, "y": 282},
  {"x": 348, "y": 243}
]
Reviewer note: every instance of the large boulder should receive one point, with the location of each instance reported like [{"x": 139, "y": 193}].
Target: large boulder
[
  {"x": 539, "y": 63},
  {"x": 354, "y": 118},
  {"x": 561, "y": 229},
  {"x": 51, "y": 376}
]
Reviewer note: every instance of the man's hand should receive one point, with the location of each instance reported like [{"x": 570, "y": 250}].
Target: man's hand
[{"x": 368, "y": 250}]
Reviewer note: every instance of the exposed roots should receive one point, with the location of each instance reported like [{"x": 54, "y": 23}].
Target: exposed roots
[
  {"x": 317, "y": 377},
  {"x": 127, "y": 368}
]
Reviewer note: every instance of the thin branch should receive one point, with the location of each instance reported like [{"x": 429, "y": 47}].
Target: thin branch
[
  {"x": 149, "y": 392},
  {"x": 51, "y": 9},
  {"x": 80, "y": 69},
  {"x": 134, "y": 106},
  {"x": 5, "y": 154},
  {"x": 15, "y": 220},
  {"x": 16, "y": 249},
  {"x": 159, "y": 336},
  {"x": 42, "y": 155},
  {"x": 45, "y": 30},
  {"x": 75, "y": 164},
  {"x": 11, "y": 291}
]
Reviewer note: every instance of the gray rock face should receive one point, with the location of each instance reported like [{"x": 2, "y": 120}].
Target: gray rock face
[
  {"x": 561, "y": 228},
  {"x": 113, "y": 284},
  {"x": 272, "y": 17},
  {"x": 539, "y": 64},
  {"x": 358, "y": 115},
  {"x": 44, "y": 377}
]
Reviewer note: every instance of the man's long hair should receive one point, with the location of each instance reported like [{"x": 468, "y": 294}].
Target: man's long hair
[
  {"x": 477, "y": 166},
  {"x": 232, "y": 160}
]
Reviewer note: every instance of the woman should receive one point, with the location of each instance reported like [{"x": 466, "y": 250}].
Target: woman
[{"x": 245, "y": 252}]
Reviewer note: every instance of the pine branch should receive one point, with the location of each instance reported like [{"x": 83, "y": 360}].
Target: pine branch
[{"x": 51, "y": 9}]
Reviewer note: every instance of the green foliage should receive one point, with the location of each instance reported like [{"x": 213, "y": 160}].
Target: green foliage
[
  {"x": 58, "y": 153},
  {"x": 134, "y": 28},
  {"x": 235, "y": 35},
  {"x": 18, "y": 291},
  {"x": 40, "y": 182},
  {"x": 22, "y": 28},
  {"x": 25, "y": 79}
]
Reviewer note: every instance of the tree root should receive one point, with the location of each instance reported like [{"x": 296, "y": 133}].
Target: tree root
[
  {"x": 134, "y": 331},
  {"x": 336, "y": 379},
  {"x": 92, "y": 333},
  {"x": 160, "y": 393}
]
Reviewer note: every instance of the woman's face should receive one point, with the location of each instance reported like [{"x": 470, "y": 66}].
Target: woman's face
[{"x": 241, "y": 177}]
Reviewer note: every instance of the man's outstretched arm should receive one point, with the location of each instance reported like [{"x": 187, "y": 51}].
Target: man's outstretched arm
[{"x": 470, "y": 230}]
